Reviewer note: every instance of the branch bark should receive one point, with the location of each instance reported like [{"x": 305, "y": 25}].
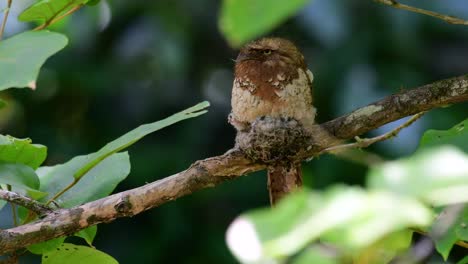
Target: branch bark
[
  {"x": 213, "y": 171},
  {"x": 33, "y": 205}
]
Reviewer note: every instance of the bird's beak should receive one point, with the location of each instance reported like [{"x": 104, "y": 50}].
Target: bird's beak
[{"x": 243, "y": 57}]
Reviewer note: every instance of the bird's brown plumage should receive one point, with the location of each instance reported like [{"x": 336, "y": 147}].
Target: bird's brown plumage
[{"x": 272, "y": 80}]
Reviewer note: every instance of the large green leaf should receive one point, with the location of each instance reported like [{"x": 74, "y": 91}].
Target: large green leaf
[
  {"x": 436, "y": 175},
  {"x": 355, "y": 218},
  {"x": 136, "y": 134},
  {"x": 22, "y": 178},
  {"x": 99, "y": 182},
  {"x": 74, "y": 254},
  {"x": 22, "y": 55},
  {"x": 243, "y": 20},
  {"x": 43, "y": 247},
  {"x": 457, "y": 135},
  {"x": 46, "y": 10},
  {"x": 22, "y": 151}
]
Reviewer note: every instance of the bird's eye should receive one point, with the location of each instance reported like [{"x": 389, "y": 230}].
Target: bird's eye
[{"x": 267, "y": 52}]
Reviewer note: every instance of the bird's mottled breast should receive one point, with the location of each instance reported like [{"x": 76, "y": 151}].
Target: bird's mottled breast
[{"x": 264, "y": 90}]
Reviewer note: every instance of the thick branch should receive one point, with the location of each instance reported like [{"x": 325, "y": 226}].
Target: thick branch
[{"x": 215, "y": 170}]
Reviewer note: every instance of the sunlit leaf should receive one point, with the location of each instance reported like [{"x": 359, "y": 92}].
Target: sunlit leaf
[
  {"x": 46, "y": 10},
  {"x": 436, "y": 175},
  {"x": 74, "y": 254},
  {"x": 353, "y": 217},
  {"x": 133, "y": 136},
  {"x": 22, "y": 178},
  {"x": 43, "y": 247},
  {"x": 244, "y": 20},
  {"x": 457, "y": 135},
  {"x": 88, "y": 234},
  {"x": 22, "y": 55},
  {"x": 98, "y": 183},
  {"x": 22, "y": 151}
]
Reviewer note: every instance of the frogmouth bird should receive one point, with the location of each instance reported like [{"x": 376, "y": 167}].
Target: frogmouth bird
[{"x": 272, "y": 83}]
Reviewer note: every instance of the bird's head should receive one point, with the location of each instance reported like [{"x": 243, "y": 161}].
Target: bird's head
[{"x": 272, "y": 52}]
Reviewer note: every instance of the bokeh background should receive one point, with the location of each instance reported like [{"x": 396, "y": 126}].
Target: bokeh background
[{"x": 134, "y": 62}]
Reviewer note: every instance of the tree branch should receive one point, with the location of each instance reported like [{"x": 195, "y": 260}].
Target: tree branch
[
  {"x": 213, "y": 171},
  {"x": 33, "y": 205},
  {"x": 446, "y": 18}
]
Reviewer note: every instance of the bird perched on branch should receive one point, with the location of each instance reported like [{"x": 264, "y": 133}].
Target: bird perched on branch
[{"x": 272, "y": 96}]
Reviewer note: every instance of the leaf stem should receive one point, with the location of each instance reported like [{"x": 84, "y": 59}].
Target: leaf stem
[
  {"x": 55, "y": 19},
  {"x": 5, "y": 18},
  {"x": 75, "y": 181},
  {"x": 446, "y": 18}
]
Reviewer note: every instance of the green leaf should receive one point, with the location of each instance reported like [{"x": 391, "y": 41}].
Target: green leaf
[
  {"x": 437, "y": 175},
  {"x": 98, "y": 183},
  {"x": 46, "y": 10},
  {"x": 133, "y": 136},
  {"x": 456, "y": 231},
  {"x": 21, "y": 178},
  {"x": 88, "y": 234},
  {"x": 44, "y": 247},
  {"x": 22, "y": 55},
  {"x": 22, "y": 151},
  {"x": 244, "y": 20},
  {"x": 354, "y": 218},
  {"x": 457, "y": 135},
  {"x": 2, "y": 104},
  {"x": 93, "y": 2},
  {"x": 463, "y": 261},
  {"x": 74, "y": 254}
]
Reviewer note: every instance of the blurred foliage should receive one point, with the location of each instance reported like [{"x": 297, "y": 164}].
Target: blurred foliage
[
  {"x": 132, "y": 62},
  {"x": 236, "y": 17},
  {"x": 365, "y": 226}
]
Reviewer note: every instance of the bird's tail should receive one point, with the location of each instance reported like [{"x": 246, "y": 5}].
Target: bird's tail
[{"x": 283, "y": 179}]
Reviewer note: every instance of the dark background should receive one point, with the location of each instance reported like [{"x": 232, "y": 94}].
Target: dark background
[{"x": 149, "y": 59}]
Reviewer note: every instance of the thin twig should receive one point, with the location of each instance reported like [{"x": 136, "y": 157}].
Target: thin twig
[
  {"x": 24, "y": 201},
  {"x": 365, "y": 142},
  {"x": 53, "y": 20},
  {"x": 446, "y": 18},
  {"x": 5, "y": 18}
]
